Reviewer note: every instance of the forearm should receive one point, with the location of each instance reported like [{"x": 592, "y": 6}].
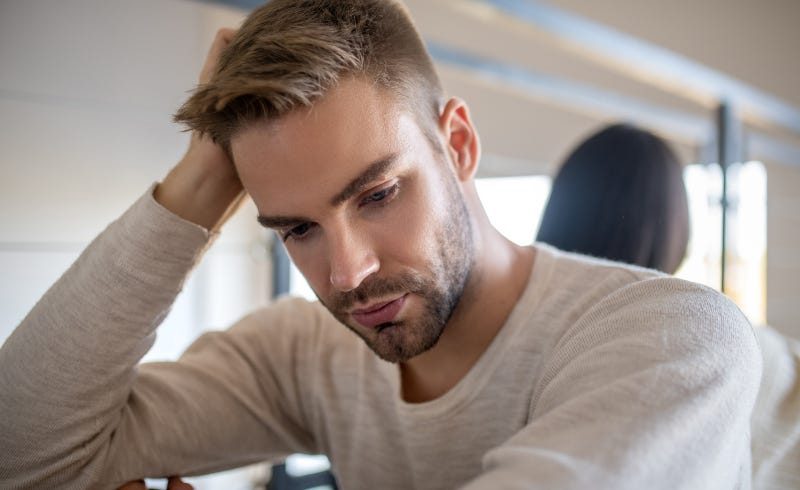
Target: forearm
[{"x": 65, "y": 372}]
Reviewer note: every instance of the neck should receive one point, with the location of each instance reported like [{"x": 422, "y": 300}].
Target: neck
[{"x": 499, "y": 275}]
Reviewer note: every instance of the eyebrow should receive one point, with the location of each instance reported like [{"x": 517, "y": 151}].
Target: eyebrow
[
  {"x": 372, "y": 172},
  {"x": 278, "y": 222},
  {"x": 375, "y": 170}
]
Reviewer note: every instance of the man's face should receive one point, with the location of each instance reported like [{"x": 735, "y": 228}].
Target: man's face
[{"x": 371, "y": 215}]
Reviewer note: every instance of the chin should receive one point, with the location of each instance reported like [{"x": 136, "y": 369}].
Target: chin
[{"x": 395, "y": 342}]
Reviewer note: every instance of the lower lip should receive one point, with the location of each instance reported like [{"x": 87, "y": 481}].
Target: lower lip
[{"x": 384, "y": 314}]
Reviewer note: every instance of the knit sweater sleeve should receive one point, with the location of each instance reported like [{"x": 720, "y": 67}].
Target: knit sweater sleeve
[
  {"x": 651, "y": 388},
  {"x": 77, "y": 412}
]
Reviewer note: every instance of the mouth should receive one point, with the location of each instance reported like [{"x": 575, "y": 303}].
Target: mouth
[{"x": 379, "y": 313}]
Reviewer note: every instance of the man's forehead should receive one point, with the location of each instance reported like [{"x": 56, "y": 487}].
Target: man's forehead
[
  {"x": 347, "y": 116},
  {"x": 278, "y": 213}
]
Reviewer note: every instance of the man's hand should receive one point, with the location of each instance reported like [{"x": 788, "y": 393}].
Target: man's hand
[
  {"x": 204, "y": 187},
  {"x": 174, "y": 483}
]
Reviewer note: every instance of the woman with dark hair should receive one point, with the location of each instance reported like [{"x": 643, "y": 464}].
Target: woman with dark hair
[{"x": 620, "y": 195}]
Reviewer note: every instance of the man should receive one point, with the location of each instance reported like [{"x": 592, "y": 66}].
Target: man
[{"x": 475, "y": 363}]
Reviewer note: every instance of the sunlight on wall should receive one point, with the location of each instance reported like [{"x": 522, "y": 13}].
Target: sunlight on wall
[
  {"x": 702, "y": 262},
  {"x": 515, "y": 204},
  {"x": 746, "y": 237},
  {"x": 747, "y": 251}
]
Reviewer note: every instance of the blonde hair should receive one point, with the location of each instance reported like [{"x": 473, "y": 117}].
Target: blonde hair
[{"x": 288, "y": 53}]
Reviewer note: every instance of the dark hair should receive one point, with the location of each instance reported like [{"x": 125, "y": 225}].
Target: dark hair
[
  {"x": 288, "y": 53},
  {"x": 620, "y": 195}
]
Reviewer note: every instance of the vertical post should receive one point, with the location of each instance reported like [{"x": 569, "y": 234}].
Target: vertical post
[{"x": 727, "y": 154}]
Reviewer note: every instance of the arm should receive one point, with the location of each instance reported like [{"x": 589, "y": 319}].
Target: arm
[
  {"x": 67, "y": 369},
  {"x": 76, "y": 410},
  {"x": 653, "y": 388},
  {"x": 67, "y": 374}
]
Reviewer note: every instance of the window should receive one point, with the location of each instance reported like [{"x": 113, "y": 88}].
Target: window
[
  {"x": 746, "y": 245},
  {"x": 515, "y": 204}
]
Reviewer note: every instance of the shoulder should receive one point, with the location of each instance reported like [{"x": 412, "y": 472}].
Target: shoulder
[
  {"x": 688, "y": 332},
  {"x": 674, "y": 314},
  {"x": 570, "y": 266},
  {"x": 687, "y": 308},
  {"x": 624, "y": 321},
  {"x": 596, "y": 291},
  {"x": 565, "y": 286}
]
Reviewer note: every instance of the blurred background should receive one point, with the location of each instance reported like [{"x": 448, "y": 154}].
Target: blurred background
[{"x": 87, "y": 89}]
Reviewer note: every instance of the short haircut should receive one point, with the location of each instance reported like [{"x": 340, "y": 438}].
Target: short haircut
[
  {"x": 288, "y": 53},
  {"x": 620, "y": 195}
]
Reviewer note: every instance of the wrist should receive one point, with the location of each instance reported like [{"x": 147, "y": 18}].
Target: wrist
[{"x": 202, "y": 188}]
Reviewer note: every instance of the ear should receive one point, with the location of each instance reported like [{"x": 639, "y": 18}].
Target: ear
[{"x": 460, "y": 139}]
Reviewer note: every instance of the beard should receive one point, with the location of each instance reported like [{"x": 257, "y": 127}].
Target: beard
[{"x": 440, "y": 287}]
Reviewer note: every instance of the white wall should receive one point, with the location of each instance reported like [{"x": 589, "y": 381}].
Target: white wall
[{"x": 87, "y": 89}]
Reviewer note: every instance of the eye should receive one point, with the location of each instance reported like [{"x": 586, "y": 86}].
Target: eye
[
  {"x": 297, "y": 232},
  {"x": 382, "y": 196}
]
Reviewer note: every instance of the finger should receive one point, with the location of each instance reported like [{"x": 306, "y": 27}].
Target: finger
[
  {"x": 133, "y": 485},
  {"x": 175, "y": 483},
  {"x": 221, "y": 41}
]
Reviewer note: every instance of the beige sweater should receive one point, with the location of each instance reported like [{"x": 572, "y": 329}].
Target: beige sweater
[{"x": 603, "y": 377}]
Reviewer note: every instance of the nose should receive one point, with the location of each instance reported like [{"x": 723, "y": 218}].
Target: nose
[{"x": 352, "y": 259}]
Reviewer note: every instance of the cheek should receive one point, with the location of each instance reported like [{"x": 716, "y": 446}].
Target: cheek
[{"x": 409, "y": 237}]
